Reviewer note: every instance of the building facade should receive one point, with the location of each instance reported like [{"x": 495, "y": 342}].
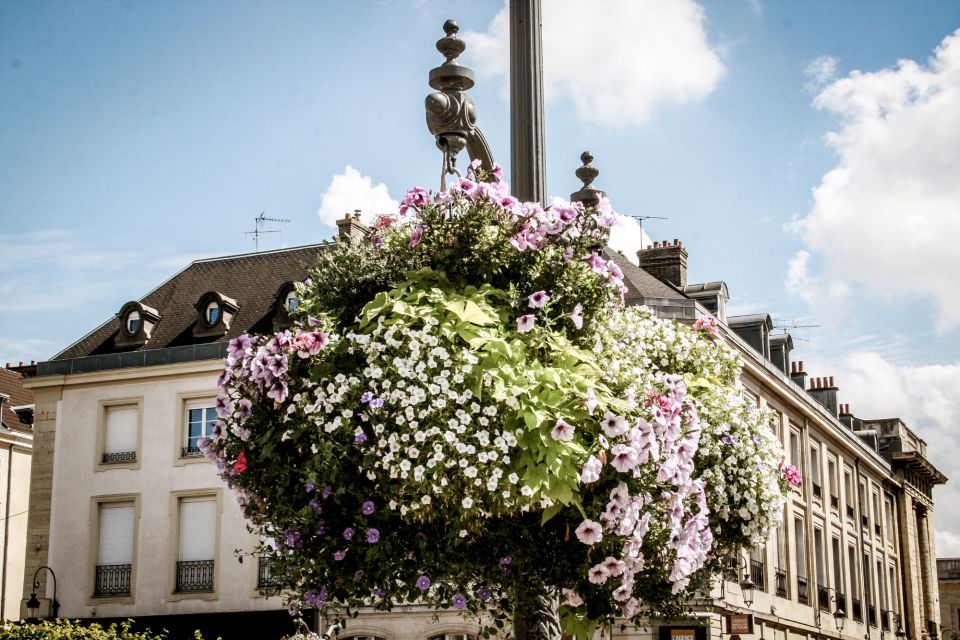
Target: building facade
[
  {"x": 137, "y": 525},
  {"x": 16, "y": 442},
  {"x": 948, "y": 578}
]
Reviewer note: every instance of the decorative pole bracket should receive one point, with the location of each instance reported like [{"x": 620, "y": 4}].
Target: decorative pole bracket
[{"x": 451, "y": 114}]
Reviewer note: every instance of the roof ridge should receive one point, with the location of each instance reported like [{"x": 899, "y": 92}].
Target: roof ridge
[{"x": 258, "y": 253}]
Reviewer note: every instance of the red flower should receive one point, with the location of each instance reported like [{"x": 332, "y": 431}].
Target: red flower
[{"x": 241, "y": 464}]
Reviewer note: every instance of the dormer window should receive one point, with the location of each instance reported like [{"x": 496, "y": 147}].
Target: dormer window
[
  {"x": 137, "y": 321},
  {"x": 215, "y": 313},
  {"x": 285, "y": 302}
]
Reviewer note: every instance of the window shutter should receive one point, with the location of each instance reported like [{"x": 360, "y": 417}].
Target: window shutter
[
  {"x": 116, "y": 534},
  {"x": 121, "y": 429},
  {"x": 198, "y": 529}
]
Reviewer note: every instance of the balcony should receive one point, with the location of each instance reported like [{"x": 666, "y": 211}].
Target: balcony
[
  {"x": 835, "y": 502},
  {"x": 851, "y": 513},
  {"x": 265, "y": 577},
  {"x": 856, "y": 609},
  {"x": 190, "y": 452},
  {"x": 885, "y": 619},
  {"x": 112, "y": 580},
  {"x": 757, "y": 574},
  {"x": 817, "y": 491},
  {"x": 823, "y": 598},
  {"x": 802, "y": 594},
  {"x": 119, "y": 457},
  {"x": 871, "y": 615},
  {"x": 194, "y": 576},
  {"x": 782, "y": 583}
]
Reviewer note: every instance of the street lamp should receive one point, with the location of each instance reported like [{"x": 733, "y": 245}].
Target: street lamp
[
  {"x": 839, "y": 615},
  {"x": 33, "y": 604},
  {"x": 900, "y": 633}
]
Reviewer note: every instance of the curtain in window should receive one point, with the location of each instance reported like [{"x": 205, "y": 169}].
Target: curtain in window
[
  {"x": 198, "y": 529},
  {"x": 121, "y": 433},
  {"x": 116, "y": 535}
]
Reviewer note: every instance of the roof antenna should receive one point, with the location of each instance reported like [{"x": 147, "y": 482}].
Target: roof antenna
[
  {"x": 258, "y": 230},
  {"x": 640, "y": 219}
]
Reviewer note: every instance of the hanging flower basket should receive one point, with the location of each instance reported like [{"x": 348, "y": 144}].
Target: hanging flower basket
[{"x": 465, "y": 408}]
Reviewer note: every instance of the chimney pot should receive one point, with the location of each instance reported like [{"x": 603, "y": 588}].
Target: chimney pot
[
  {"x": 831, "y": 381},
  {"x": 800, "y": 365},
  {"x": 21, "y": 364},
  {"x": 676, "y": 242}
]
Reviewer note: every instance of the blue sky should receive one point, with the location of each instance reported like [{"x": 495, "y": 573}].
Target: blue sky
[{"x": 805, "y": 153}]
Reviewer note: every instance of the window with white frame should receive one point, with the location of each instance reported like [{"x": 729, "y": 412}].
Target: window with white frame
[
  {"x": 815, "y": 478},
  {"x": 197, "y": 544},
  {"x": 198, "y": 422},
  {"x": 114, "y": 549},
  {"x": 121, "y": 429}
]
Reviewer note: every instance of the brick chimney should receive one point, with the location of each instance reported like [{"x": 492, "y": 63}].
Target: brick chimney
[
  {"x": 665, "y": 262},
  {"x": 351, "y": 229},
  {"x": 798, "y": 375},
  {"x": 824, "y": 391}
]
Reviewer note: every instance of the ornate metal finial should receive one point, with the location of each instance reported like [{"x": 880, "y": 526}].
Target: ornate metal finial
[
  {"x": 589, "y": 196},
  {"x": 451, "y": 115},
  {"x": 451, "y": 46}
]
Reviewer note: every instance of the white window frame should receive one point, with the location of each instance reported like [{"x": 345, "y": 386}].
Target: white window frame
[{"x": 185, "y": 402}]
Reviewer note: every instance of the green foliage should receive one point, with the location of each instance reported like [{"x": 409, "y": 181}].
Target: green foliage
[{"x": 75, "y": 630}]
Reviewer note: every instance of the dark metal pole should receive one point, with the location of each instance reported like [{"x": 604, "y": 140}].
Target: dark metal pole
[{"x": 528, "y": 165}]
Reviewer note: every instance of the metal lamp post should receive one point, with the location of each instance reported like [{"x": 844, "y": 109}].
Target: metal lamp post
[
  {"x": 33, "y": 604},
  {"x": 839, "y": 615}
]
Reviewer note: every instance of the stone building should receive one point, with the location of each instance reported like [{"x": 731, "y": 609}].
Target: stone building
[
  {"x": 16, "y": 441},
  {"x": 948, "y": 578},
  {"x": 136, "y": 525}
]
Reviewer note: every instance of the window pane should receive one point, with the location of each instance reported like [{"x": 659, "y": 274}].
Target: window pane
[
  {"x": 211, "y": 418},
  {"x": 116, "y": 534}
]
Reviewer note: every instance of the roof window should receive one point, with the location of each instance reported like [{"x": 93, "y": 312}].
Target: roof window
[
  {"x": 137, "y": 322},
  {"x": 215, "y": 313}
]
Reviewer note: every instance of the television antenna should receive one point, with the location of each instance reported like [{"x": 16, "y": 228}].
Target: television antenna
[
  {"x": 640, "y": 219},
  {"x": 259, "y": 222},
  {"x": 785, "y": 325}
]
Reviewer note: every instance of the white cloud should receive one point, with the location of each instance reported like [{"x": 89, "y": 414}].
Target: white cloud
[
  {"x": 926, "y": 398},
  {"x": 820, "y": 72},
  {"x": 647, "y": 54},
  {"x": 885, "y": 218},
  {"x": 628, "y": 237},
  {"x": 948, "y": 544},
  {"x": 352, "y": 190}
]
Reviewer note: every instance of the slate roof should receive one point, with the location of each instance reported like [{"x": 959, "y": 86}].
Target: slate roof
[
  {"x": 11, "y": 384},
  {"x": 254, "y": 280},
  {"x": 641, "y": 284}
]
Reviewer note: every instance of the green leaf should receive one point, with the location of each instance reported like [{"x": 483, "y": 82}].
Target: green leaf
[{"x": 469, "y": 311}]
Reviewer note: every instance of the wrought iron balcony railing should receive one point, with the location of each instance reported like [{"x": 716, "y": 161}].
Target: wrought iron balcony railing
[
  {"x": 112, "y": 580},
  {"x": 265, "y": 577},
  {"x": 119, "y": 456},
  {"x": 803, "y": 596},
  {"x": 190, "y": 452},
  {"x": 194, "y": 576},
  {"x": 782, "y": 583},
  {"x": 758, "y": 575}
]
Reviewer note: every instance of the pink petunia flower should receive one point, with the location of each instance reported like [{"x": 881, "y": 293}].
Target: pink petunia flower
[
  {"x": 525, "y": 323},
  {"x": 416, "y": 236},
  {"x": 538, "y": 299},
  {"x": 562, "y": 431},
  {"x": 589, "y": 532},
  {"x": 576, "y": 316}
]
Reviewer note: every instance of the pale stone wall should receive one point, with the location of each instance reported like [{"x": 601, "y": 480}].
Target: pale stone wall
[
  {"x": 77, "y": 479},
  {"x": 15, "y": 499}
]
